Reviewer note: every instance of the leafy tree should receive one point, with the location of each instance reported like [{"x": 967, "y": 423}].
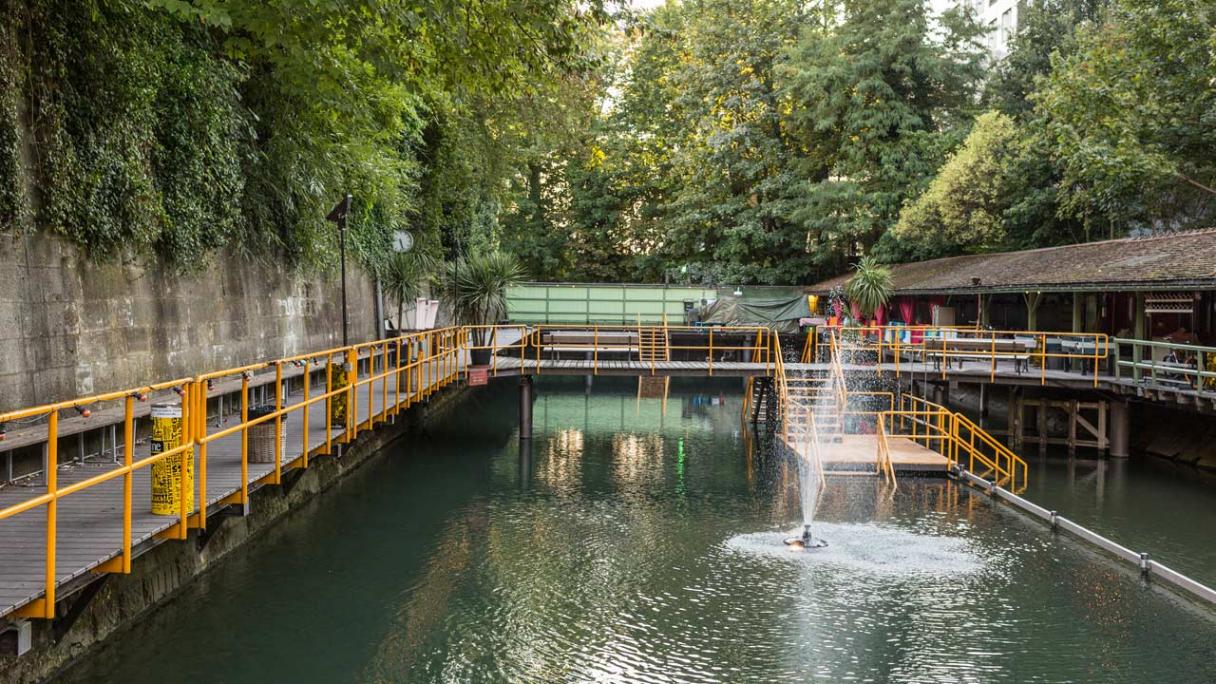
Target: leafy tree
[
  {"x": 963, "y": 208},
  {"x": 1129, "y": 116},
  {"x": 1045, "y": 27},
  {"x": 881, "y": 99}
]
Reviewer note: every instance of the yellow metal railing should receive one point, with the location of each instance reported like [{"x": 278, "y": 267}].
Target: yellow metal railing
[
  {"x": 957, "y": 438},
  {"x": 947, "y": 345},
  {"x": 650, "y": 344},
  {"x": 422, "y": 362}
]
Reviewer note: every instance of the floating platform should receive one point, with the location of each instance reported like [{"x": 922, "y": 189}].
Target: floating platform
[{"x": 859, "y": 454}]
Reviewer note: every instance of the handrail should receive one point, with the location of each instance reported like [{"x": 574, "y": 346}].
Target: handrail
[
  {"x": 1194, "y": 365},
  {"x": 434, "y": 352},
  {"x": 944, "y": 344}
]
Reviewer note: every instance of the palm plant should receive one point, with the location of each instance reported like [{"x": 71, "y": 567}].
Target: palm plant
[
  {"x": 404, "y": 276},
  {"x": 477, "y": 288},
  {"x": 870, "y": 287}
]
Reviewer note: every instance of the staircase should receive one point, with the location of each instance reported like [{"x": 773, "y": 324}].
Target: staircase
[{"x": 653, "y": 344}]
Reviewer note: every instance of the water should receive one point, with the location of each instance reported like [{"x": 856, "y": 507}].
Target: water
[{"x": 636, "y": 547}]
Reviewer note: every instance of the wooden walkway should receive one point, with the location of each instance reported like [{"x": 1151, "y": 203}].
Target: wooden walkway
[
  {"x": 505, "y": 365},
  {"x": 90, "y": 521},
  {"x": 859, "y": 454}
]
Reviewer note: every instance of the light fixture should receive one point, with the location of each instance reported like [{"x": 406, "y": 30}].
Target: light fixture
[{"x": 84, "y": 412}]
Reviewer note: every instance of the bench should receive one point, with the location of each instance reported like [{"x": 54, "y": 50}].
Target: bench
[{"x": 974, "y": 349}]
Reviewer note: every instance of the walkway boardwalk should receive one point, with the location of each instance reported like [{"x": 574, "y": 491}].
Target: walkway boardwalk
[{"x": 90, "y": 522}]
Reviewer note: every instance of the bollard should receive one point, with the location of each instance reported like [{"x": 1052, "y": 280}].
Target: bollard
[{"x": 167, "y": 472}]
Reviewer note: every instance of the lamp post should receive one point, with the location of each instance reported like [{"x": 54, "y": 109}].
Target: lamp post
[{"x": 338, "y": 216}]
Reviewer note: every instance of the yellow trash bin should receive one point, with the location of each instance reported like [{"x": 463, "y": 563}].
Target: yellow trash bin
[
  {"x": 340, "y": 377},
  {"x": 167, "y": 472}
]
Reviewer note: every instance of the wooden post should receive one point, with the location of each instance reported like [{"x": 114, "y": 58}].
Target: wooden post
[
  {"x": 1041, "y": 423},
  {"x": 1078, "y": 312}
]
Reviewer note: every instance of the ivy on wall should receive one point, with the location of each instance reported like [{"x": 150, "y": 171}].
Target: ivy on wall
[{"x": 174, "y": 129}]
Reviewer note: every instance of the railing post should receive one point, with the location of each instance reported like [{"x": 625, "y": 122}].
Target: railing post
[
  {"x": 278, "y": 421},
  {"x": 245, "y": 437},
  {"x": 384, "y": 373},
  {"x": 371, "y": 388},
  {"x": 185, "y": 452},
  {"x": 128, "y": 457},
  {"x": 52, "y": 509},
  {"x": 352, "y": 397},
  {"x": 200, "y": 432},
  {"x": 1136, "y": 356},
  {"x": 711, "y": 351},
  {"x": 304, "y": 414}
]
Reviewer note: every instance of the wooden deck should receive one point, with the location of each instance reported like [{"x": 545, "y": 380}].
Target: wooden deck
[
  {"x": 90, "y": 521},
  {"x": 505, "y": 365},
  {"x": 858, "y": 453}
]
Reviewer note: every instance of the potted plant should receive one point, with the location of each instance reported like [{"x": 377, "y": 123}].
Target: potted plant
[
  {"x": 870, "y": 287},
  {"x": 477, "y": 289},
  {"x": 403, "y": 278}
]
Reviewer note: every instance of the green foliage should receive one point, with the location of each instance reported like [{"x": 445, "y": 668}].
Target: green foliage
[
  {"x": 1129, "y": 117},
  {"x": 870, "y": 286},
  {"x": 963, "y": 208},
  {"x": 141, "y": 144},
  {"x": 886, "y": 99},
  {"x": 405, "y": 276},
  {"x": 477, "y": 287},
  {"x": 171, "y": 129}
]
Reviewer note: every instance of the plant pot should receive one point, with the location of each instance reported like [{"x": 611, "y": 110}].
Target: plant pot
[{"x": 480, "y": 357}]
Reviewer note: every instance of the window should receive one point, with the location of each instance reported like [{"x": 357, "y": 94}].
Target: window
[{"x": 1006, "y": 27}]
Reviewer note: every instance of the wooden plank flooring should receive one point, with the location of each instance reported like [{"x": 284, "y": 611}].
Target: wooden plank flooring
[
  {"x": 859, "y": 453},
  {"x": 90, "y": 521}
]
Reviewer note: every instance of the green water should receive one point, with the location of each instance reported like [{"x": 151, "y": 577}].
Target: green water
[{"x": 632, "y": 546}]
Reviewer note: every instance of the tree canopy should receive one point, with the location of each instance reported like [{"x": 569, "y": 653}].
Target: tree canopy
[{"x": 715, "y": 141}]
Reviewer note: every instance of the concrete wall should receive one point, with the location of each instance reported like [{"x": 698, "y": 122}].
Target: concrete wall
[{"x": 69, "y": 327}]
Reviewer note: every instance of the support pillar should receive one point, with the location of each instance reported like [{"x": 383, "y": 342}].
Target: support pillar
[
  {"x": 1016, "y": 416},
  {"x": 1078, "y": 312},
  {"x": 1139, "y": 332},
  {"x": 1120, "y": 428},
  {"x": 983, "y": 400},
  {"x": 525, "y": 407}
]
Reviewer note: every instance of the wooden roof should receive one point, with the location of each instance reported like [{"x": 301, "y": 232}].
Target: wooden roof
[{"x": 1174, "y": 261}]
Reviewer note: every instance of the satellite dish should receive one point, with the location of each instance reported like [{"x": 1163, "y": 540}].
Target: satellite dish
[{"x": 402, "y": 241}]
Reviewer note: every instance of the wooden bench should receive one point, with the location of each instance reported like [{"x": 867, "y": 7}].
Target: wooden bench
[{"x": 975, "y": 349}]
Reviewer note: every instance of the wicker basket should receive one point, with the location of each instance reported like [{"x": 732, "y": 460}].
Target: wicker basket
[{"x": 261, "y": 437}]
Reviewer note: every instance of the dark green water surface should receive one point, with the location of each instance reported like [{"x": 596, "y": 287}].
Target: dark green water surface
[{"x": 632, "y": 546}]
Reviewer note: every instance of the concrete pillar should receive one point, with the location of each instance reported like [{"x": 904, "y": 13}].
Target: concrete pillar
[
  {"x": 525, "y": 407},
  {"x": 1120, "y": 428},
  {"x": 983, "y": 400}
]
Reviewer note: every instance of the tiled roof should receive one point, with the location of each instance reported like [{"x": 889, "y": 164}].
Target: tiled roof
[{"x": 1171, "y": 261}]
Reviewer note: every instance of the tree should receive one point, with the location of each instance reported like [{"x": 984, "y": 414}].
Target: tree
[
  {"x": 963, "y": 209},
  {"x": 1129, "y": 118},
  {"x": 879, "y": 100},
  {"x": 476, "y": 287}
]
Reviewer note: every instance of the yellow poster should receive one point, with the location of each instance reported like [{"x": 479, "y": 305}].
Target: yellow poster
[{"x": 167, "y": 472}]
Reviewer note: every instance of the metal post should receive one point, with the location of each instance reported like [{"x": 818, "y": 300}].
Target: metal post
[{"x": 525, "y": 407}]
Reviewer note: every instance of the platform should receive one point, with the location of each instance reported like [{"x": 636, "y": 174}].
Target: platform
[{"x": 858, "y": 453}]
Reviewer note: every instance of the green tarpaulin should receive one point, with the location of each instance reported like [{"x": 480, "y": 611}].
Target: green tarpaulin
[{"x": 780, "y": 314}]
